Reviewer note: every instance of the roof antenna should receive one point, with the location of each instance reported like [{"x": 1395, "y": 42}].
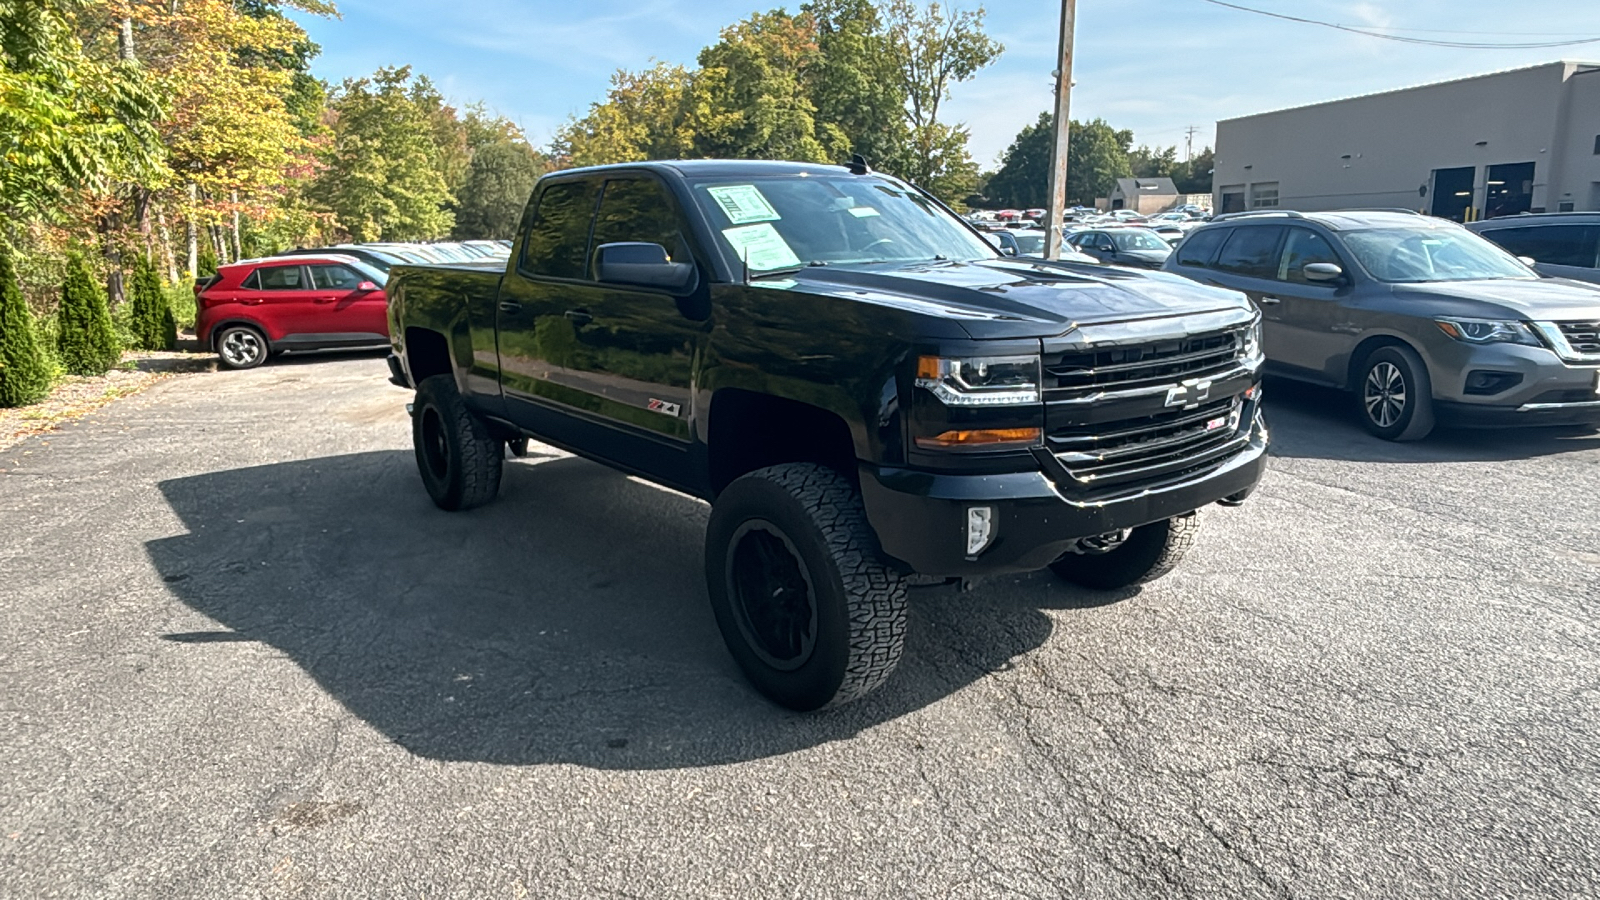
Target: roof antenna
[{"x": 858, "y": 165}]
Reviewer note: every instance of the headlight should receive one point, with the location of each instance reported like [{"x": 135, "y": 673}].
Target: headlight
[
  {"x": 1487, "y": 331},
  {"x": 1252, "y": 340},
  {"x": 980, "y": 381}
]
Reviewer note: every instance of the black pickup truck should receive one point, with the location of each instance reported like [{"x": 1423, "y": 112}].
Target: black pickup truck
[{"x": 869, "y": 394}]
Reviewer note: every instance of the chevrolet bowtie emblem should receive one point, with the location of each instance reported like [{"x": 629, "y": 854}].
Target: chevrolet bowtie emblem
[{"x": 1189, "y": 394}]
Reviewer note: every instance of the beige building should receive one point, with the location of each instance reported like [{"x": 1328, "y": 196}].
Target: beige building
[
  {"x": 1525, "y": 140},
  {"x": 1145, "y": 196}
]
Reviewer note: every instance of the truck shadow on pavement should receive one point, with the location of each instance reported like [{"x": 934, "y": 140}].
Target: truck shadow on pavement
[
  {"x": 564, "y": 623},
  {"x": 1312, "y": 422}
]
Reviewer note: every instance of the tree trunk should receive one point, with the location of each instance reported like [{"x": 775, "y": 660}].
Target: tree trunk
[
  {"x": 194, "y": 234},
  {"x": 125, "y": 40},
  {"x": 168, "y": 258},
  {"x": 238, "y": 253}
]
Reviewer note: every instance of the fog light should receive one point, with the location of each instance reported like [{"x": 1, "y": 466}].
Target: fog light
[{"x": 980, "y": 528}]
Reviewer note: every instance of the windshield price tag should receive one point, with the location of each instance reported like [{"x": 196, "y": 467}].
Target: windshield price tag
[
  {"x": 743, "y": 203},
  {"x": 761, "y": 247}
]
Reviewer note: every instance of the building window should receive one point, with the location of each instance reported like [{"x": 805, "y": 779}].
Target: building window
[
  {"x": 1233, "y": 198},
  {"x": 1597, "y": 145},
  {"x": 1264, "y": 196}
]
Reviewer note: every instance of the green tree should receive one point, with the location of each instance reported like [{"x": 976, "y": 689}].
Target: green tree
[
  {"x": 934, "y": 49},
  {"x": 1194, "y": 175},
  {"x": 86, "y": 339},
  {"x": 499, "y": 181},
  {"x": 855, "y": 83},
  {"x": 24, "y": 372},
  {"x": 643, "y": 117},
  {"x": 751, "y": 97},
  {"x": 382, "y": 180},
  {"x": 152, "y": 322},
  {"x": 1153, "y": 162},
  {"x": 1023, "y": 180}
]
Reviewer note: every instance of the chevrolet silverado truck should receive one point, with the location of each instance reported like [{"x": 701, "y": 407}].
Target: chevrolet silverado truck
[{"x": 867, "y": 392}]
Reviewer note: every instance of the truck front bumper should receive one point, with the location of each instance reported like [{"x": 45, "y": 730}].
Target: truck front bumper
[{"x": 922, "y": 518}]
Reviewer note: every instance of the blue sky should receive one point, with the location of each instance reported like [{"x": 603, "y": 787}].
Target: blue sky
[{"x": 1155, "y": 66}]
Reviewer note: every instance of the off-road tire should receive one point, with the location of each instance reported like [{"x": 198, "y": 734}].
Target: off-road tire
[
  {"x": 1150, "y": 552},
  {"x": 459, "y": 460},
  {"x": 857, "y": 602},
  {"x": 1415, "y": 420}
]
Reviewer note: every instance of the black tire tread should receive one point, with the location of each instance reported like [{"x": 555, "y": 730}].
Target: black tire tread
[
  {"x": 1150, "y": 552},
  {"x": 875, "y": 593},
  {"x": 479, "y": 456}
]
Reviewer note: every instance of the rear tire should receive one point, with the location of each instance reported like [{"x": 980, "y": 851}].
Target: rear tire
[
  {"x": 806, "y": 606},
  {"x": 1148, "y": 553},
  {"x": 460, "y": 462},
  {"x": 1394, "y": 395}
]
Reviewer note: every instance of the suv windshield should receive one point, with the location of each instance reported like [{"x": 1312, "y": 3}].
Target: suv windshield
[
  {"x": 1138, "y": 239},
  {"x": 1030, "y": 244},
  {"x": 1431, "y": 254},
  {"x": 784, "y": 221}
]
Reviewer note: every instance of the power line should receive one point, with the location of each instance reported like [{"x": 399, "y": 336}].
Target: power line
[{"x": 1460, "y": 45}]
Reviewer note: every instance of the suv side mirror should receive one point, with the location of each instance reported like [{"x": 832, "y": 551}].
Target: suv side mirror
[
  {"x": 1322, "y": 272},
  {"x": 367, "y": 287},
  {"x": 644, "y": 265},
  {"x": 1527, "y": 261}
]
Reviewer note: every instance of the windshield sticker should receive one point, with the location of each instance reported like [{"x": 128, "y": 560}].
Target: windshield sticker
[
  {"x": 743, "y": 203},
  {"x": 761, "y": 247},
  {"x": 862, "y": 212}
]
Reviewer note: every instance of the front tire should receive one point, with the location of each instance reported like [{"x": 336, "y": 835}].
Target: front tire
[
  {"x": 460, "y": 462},
  {"x": 805, "y": 605},
  {"x": 1394, "y": 394},
  {"x": 1148, "y": 552}
]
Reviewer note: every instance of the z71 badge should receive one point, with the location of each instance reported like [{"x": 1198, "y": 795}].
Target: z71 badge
[{"x": 663, "y": 407}]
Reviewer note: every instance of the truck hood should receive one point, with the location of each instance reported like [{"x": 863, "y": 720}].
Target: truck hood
[
  {"x": 1020, "y": 298},
  {"x": 1535, "y": 299}
]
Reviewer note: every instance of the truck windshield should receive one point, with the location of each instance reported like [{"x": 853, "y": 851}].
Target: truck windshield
[
  {"x": 784, "y": 221},
  {"x": 1431, "y": 254}
]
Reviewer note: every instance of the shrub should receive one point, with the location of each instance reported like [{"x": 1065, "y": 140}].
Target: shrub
[
  {"x": 25, "y": 371},
  {"x": 85, "y": 338},
  {"x": 151, "y": 317},
  {"x": 182, "y": 302}
]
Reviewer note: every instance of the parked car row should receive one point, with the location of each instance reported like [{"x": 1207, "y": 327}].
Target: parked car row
[{"x": 1421, "y": 319}]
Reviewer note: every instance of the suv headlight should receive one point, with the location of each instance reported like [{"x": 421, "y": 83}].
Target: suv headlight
[
  {"x": 980, "y": 381},
  {"x": 1487, "y": 331}
]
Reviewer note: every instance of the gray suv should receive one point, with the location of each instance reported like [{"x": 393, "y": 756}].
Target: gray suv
[
  {"x": 1561, "y": 245},
  {"x": 1421, "y": 319}
]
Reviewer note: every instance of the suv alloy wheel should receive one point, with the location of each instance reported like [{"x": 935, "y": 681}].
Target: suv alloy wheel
[{"x": 1395, "y": 395}]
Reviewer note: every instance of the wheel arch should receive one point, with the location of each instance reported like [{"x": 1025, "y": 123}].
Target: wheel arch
[
  {"x": 1368, "y": 346},
  {"x": 427, "y": 354},
  {"x": 223, "y": 325},
  {"x": 749, "y": 430}
]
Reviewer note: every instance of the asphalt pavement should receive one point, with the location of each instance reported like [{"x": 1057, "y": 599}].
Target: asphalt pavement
[{"x": 243, "y": 656}]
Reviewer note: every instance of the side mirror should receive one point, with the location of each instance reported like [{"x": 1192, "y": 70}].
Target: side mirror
[
  {"x": 367, "y": 287},
  {"x": 1322, "y": 272},
  {"x": 1527, "y": 261},
  {"x": 644, "y": 265}
]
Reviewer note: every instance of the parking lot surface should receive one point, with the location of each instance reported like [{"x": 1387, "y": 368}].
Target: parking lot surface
[{"x": 244, "y": 656}]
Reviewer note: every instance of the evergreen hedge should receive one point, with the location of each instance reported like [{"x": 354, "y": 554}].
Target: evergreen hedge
[
  {"x": 25, "y": 373},
  {"x": 152, "y": 323},
  {"x": 86, "y": 339}
]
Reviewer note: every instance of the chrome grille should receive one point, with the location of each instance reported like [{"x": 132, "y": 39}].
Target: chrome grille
[
  {"x": 1582, "y": 337},
  {"x": 1096, "y": 370},
  {"x": 1163, "y": 444}
]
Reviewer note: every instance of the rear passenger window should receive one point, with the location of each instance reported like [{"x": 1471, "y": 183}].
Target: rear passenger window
[
  {"x": 1303, "y": 248},
  {"x": 1252, "y": 252},
  {"x": 639, "y": 209},
  {"x": 559, "y": 236},
  {"x": 334, "y": 278},
  {"x": 279, "y": 278},
  {"x": 1557, "y": 245},
  {"x": 1201, "y": 247}
]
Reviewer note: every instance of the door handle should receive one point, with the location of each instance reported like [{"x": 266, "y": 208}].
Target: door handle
[
  {"x": 251, "y": 301},
  {"x": 579, "y": 317},
  {"x": 1270, "y": 301},
  {"x": 510, "y": 307},
  {"x": 325, "y": 300}
]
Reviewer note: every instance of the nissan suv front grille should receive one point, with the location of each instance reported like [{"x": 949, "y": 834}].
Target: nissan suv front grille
[{"x": 1582, "y": 337}]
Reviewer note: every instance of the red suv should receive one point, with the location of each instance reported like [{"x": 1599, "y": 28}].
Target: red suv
[{"x": 255, "y": 308}]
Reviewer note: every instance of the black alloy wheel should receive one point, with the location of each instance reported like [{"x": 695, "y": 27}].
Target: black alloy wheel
[
  {"x": 773, "y": 596},
  {"x": 459, "y": 460}
]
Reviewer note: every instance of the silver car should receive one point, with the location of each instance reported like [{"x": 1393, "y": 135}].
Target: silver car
[{"x": 1421, "y": 319}]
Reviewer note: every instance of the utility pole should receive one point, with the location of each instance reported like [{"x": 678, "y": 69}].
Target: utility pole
[
  {"x": 1188, "y": 142},
  {"x": 1058, "y": 157}
]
